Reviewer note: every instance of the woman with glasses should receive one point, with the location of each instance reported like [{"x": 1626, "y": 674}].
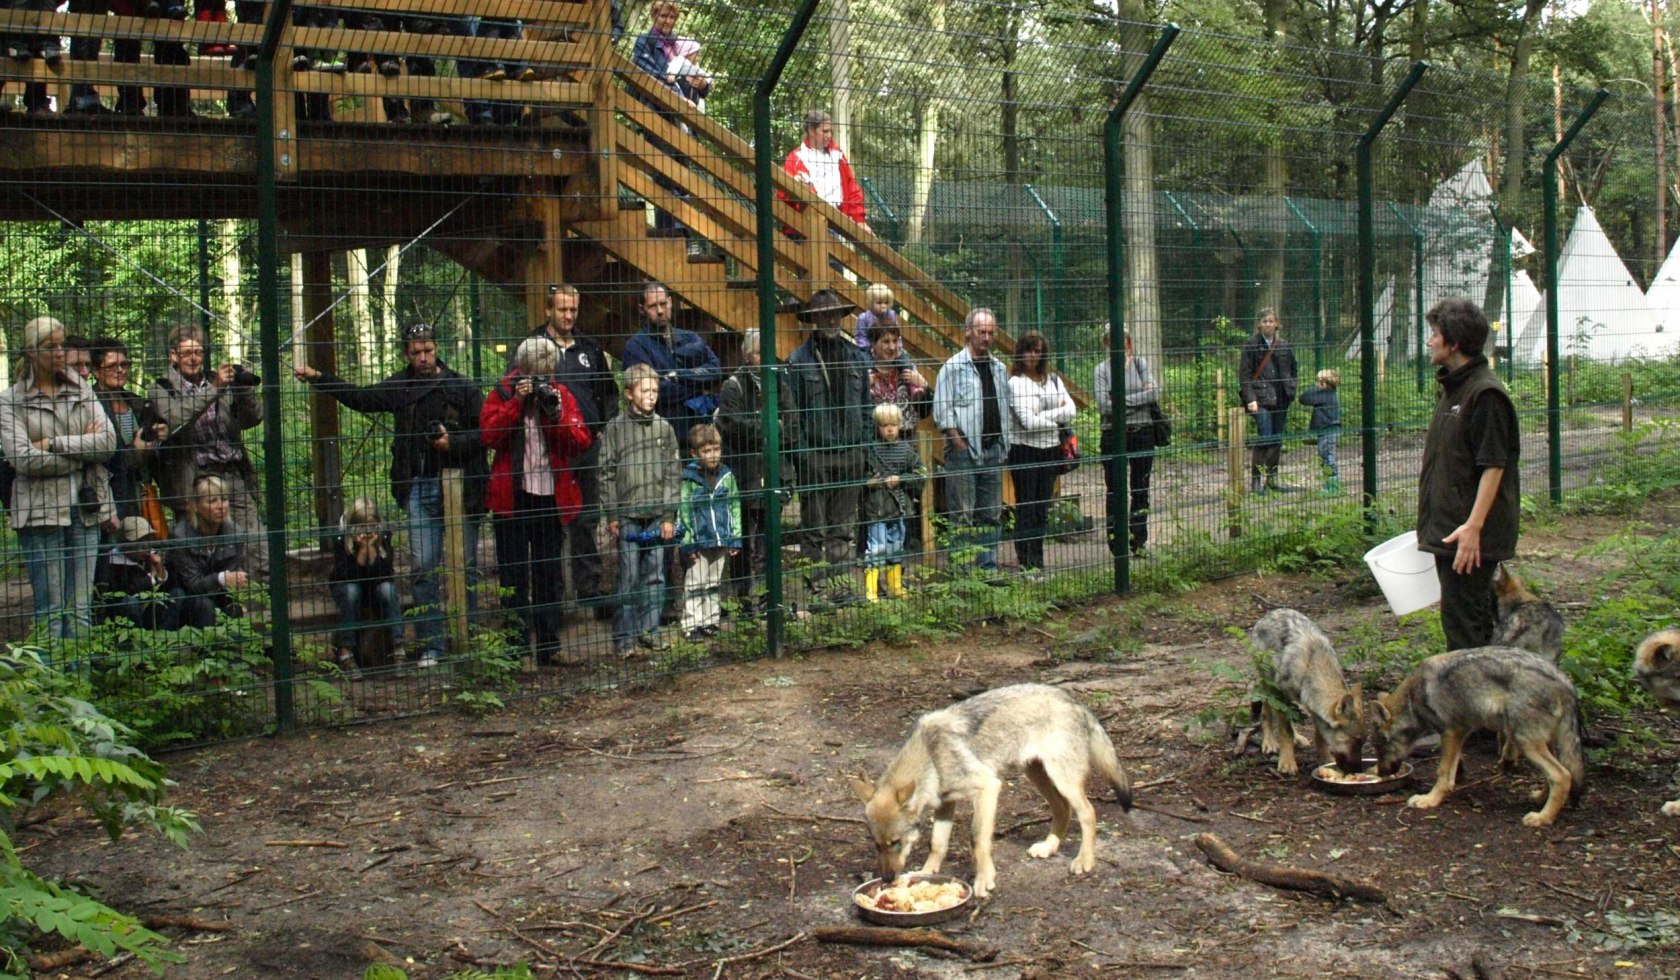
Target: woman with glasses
[
  {"x": 137, "y": 427},
  {"x": 58, "y": 438}
]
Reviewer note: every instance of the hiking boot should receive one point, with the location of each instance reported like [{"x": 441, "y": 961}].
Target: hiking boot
[{"x": 347, "y": 665}]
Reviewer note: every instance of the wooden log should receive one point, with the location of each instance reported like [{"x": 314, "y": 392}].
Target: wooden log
[
  {"x": 1220, "y": 855},
  {"x": 878, "y": 936},
  {"x": 455, "y": 559}
]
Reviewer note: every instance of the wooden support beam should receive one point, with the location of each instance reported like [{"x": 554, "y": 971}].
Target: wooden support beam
[
  {"x": 542, "y": 256},
  {"x": 455, "y": 559}
]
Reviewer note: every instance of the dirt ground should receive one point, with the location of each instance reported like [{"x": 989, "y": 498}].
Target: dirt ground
[{"x": 707, "y": 827}]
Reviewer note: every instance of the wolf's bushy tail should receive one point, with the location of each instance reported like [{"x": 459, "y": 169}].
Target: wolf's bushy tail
[
  {"x": 1567, "y": 748},
  {"x": 1107, "y": 763}
]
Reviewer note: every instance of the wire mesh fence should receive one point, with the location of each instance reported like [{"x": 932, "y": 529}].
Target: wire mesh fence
[{"x": 418, "y": 354}]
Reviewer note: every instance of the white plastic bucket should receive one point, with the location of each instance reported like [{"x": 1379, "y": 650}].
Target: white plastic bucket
[{"x": 1407, "y": 575}]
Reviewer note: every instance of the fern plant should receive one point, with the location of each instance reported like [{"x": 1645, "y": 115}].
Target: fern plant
[{"x": 54, "y": 743}]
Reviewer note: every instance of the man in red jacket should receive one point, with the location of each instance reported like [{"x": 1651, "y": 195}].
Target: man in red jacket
[{"x": 818, "y": 161}]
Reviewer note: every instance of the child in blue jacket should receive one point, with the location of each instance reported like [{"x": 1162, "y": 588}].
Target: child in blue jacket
[
  {"x": 1326, "y": 424},
  {"x": 710, "y": 514}
]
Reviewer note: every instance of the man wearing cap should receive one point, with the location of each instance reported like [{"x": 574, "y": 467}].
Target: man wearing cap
[
  {"x": 132, "y": 580},
  {"x": 582, "y": 366},
  {"x": 687, "y": 368},
  {"x": 826, "y": 407},
  {"x": 434, "y": 412},
  {"x": 971, "y": 406}
]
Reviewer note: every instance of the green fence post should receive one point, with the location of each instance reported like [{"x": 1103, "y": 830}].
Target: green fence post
[
  {"x": 1057, "y": 271},
  {"x": 1548, "y": 187},
  {"x": 1417, "y": 291},
  {"x": 1114, "y": 195},
  {"x": 1317, "y": 285},
  {"x": 268, "y": 311},
  {"x": 879, "y": 205},
  {"x": 1367, "y": 297},
  {"x": 764, "y": 162}
]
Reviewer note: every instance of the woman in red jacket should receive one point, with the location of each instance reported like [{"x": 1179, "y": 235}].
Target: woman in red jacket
[{"x": 533, "y": 425}]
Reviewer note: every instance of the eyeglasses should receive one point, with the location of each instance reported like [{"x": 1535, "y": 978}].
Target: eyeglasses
[{"x": 119, "y": 366}]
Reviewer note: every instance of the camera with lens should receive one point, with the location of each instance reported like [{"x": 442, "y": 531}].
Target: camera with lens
[
  {"x": 435, "y": 429},
  {"x": 87, "y": 497},
  {"x": 243, "y": 375},
  {"x": 148, "y": 434},
  {"x": 547, "y": 397}
]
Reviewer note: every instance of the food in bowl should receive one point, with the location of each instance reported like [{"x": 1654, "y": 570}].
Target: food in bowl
[
  {"x": 1331, "y": 774},
  {"x": 916, "y": 896}
]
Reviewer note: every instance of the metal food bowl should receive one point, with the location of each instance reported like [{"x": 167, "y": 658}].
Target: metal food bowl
[
  {"x": 862, "y": 894},
  {"x": 1375, "y": 787}
]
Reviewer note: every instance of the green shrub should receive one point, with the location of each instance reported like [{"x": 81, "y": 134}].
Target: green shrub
[{"x": 53, "y": 743}]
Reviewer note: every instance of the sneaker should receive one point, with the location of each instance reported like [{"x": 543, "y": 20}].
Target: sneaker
[
  {"x": 712, "y": 630},
  {"x": 390, "y": 68},
  {"x": 494, "y": 75},
  {"x": 696, "y": 635},
  {"x": 302, "y": 62},
  {"x": 624, "y": 652},
  {"x": 428, "y": 660},
  {"x": 399, "y": 654},
  {"x": 527, "y": 74},
  {"x": 437, "y": 117},
  {"x": 653, "y": 641},
  {"x": 397, "y": 118},
  {"x": 89, "y": 109},
  {"x": 347, "y": 666}
]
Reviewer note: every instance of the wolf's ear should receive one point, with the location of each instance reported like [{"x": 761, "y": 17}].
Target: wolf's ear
[
  {"x": 864, "y": 789},
  {"x": 1663, "y": 654},
  {"x": 903, "y": 792},
  {"x": 1347, "y": 709},
  {"x": 1376, "y": 713}
]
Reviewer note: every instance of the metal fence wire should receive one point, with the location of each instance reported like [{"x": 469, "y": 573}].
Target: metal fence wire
[{"x": 380, "y": 355}]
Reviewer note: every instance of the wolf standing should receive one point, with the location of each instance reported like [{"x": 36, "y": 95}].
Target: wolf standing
[
  {"x": 1468, "y": 498},
  {"x": 966, "y": 751}
]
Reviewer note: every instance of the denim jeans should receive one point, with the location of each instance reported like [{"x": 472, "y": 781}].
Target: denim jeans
[
  {"x": 1269, "y": 426},
  {"x": 425, "y": 546},
  {"x": 349, "y": 595},
  {"x": 61, "y": 563},
  {"x": 974, "y": 499},
  {"x": 1327, "y": 453},
  {"x": 884, "y": 543},
  {"x": 641, "y": 583}
]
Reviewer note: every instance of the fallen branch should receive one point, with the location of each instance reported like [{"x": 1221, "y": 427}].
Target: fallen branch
[
  {"x": 756, "y": 954},
  {"x": 1163, "y": 811},
  {"x": 671, "y": 971},
  {"x": 813, "y": 817},
  {"x": 47, "y": 962},
  {"x": 857, "y": 936},
  {"x": 1220, "y": 855},
  {"x": 305, "y": 843},
  {"x": 1539, "y": 920},
  {"x": 186, "y": 922}
]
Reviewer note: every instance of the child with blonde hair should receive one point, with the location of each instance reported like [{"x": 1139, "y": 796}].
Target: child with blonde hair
[
  {"x": 895, "y": 477},
  {"x": 362, "y": 571},
  {"x": 879, "y": 299},
  {"x": 1326, "y": 424}
]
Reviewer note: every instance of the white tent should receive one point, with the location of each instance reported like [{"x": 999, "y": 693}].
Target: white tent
[
  {"x": 1383, "y": 323},
  {"x": 1470, "y": 190},
  {"x": 1664, "y": 298},
  {"x": 1602, "y": 314}
]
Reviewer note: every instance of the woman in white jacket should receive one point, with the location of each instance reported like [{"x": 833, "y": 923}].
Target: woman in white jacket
[
  {"x": 1039, "y": 406},
  {"x": 58, "y": 437}
]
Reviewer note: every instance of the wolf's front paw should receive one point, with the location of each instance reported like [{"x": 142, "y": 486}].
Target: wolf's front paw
[
  {"x": 1424, "y": 801},
  {"x": 984, "y": 882},
  {"x": 1287, "y": 766},
  {"x": 1082, "y": 863},
  {"x": 1046, "y": 847},
  {"x": 1536, "y": 819},
  {"x": 1671, "y": 809}
]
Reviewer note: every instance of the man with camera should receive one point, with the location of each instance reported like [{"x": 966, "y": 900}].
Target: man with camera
[
  {"x": 205, "y": 412},
  {"x": 434, "y": 413}
]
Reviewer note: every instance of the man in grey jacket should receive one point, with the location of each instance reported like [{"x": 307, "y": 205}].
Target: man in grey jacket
[
  {"x": 206, "y": 411},
  {"x": 971, "y": 406}
]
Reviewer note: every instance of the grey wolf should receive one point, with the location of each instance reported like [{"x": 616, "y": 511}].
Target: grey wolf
[
  {"x": 1304, "y": 669},
  {"x": 1521, "y": 696},
  {"x": 1526, "y": 621},
  {"x": 1656, "y": 666},
  {"x": 966, "y": 751}
]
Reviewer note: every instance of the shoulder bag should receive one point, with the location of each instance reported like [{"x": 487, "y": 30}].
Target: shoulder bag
[{"x": 1161, "y": 425}]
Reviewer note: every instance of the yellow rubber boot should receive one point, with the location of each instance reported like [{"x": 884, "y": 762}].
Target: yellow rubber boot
[
  {"x": 895, "y": 581},
  {"x": 872, "y": 584}
]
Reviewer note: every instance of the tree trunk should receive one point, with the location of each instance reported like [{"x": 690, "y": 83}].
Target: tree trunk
[
  {"x": 1660, "y": 249},
  {"x": 1143, "y": 278},
  {"x": 1510, "y": 181},
  {"x": 388, "y": 308},
  {"x": 233, "y": 308},
  {"x": 840, "y": 71},
  {"x": 921, "y": 186},
  {"x": 300, "y": 318},
  {"x": 361, "y": 319},
  {"x": 1274, "y": 184}
]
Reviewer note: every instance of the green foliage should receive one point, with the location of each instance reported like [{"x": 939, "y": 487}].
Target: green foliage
[
  {"x": 1632, "y": 600},
  {"x": 54, "y": 743},
  {"x": 195, "y": 684},
  {"x": 488, "y": 669},
  {"x": 518, "y": 971},
  {"x": 1639, "y": 463}
]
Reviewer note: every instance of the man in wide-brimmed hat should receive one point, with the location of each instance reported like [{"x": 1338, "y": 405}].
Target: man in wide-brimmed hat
[{"x": 826, "y": 405}]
